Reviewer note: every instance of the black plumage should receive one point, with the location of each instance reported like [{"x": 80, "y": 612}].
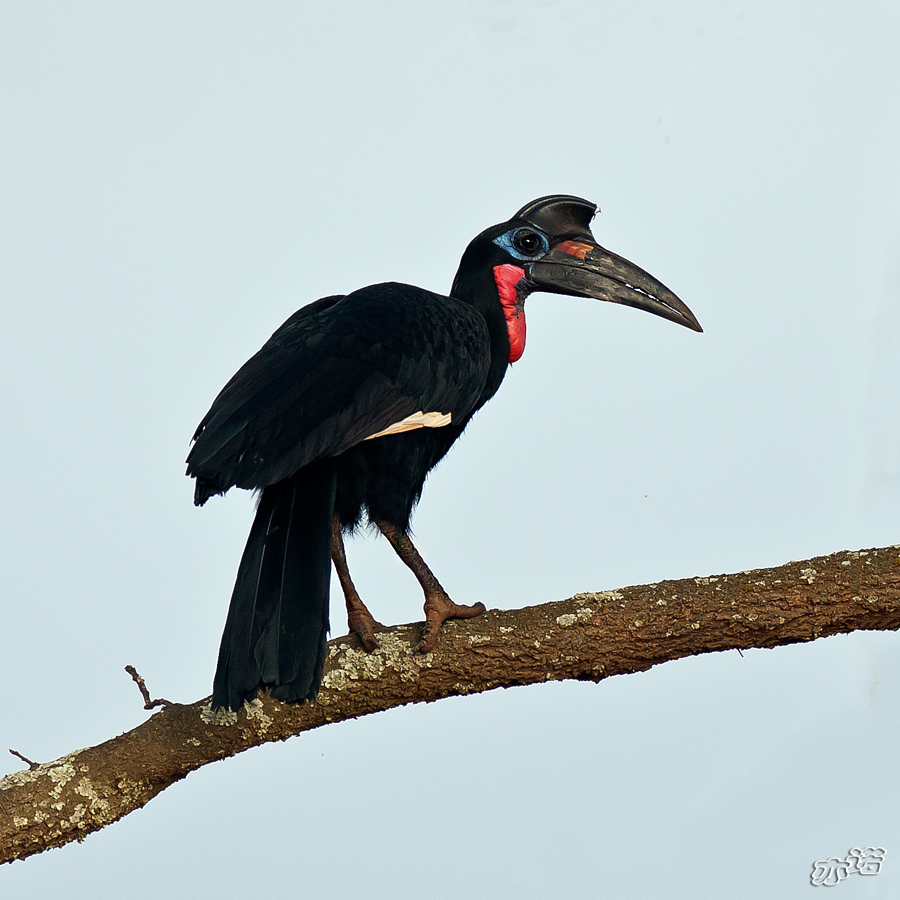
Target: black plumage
[{"x": 297, "y": 423}]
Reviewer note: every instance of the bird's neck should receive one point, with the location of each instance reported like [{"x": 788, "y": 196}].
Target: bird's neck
[{"x": 482, "y": 288}]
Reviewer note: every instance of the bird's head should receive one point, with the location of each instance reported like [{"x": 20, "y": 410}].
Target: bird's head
[{"x": 548, "y": 246}]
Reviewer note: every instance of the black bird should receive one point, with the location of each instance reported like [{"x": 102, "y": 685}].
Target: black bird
[{"x": 347, "y": 407}]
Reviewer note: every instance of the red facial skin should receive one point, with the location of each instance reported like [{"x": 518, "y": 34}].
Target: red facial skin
[
  {"x": 574, "y": 248},
  {"x": 507, "y": 278}
]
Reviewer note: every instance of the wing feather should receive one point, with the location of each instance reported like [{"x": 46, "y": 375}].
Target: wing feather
[{"x": 335, "y": 373}]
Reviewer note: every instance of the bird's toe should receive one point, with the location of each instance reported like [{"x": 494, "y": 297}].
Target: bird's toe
[
  {"x": 439, "y": 608},
  {"x": 361, "y": 623}
]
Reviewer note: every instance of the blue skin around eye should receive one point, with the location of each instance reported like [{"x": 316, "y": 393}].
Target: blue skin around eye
[{"x": 506, "y": 242}]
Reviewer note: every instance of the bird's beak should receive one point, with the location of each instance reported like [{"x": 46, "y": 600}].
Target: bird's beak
[{"x": 583, "y": 269}]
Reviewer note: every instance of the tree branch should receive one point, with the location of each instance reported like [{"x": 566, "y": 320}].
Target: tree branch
[{"x": 588, "y": 637}]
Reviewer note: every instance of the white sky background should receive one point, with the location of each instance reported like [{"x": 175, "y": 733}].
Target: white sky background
[{"x": 178, "y": 178}]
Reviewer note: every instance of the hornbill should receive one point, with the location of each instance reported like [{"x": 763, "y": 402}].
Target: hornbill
[{"x": 347, "y": 407}]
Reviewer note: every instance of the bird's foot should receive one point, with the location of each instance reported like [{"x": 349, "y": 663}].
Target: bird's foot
[
  {"x": 363, "y": 624},
  {"x": 438, "y": 608}
]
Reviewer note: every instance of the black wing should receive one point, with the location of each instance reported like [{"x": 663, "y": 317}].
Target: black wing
[{"x": 335, "y": 373}]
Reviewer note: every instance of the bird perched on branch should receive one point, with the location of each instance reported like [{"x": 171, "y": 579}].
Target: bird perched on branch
[{"x": 346, "y": 408}]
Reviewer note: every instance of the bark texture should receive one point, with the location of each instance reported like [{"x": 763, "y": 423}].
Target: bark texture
[{"x": 588, "y": 637}]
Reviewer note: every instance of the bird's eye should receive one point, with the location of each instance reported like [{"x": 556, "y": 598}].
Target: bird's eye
[{"x": 527, "y": 242}]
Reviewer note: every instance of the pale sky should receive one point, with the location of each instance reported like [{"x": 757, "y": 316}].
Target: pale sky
[{"x": 178, "y": 178}]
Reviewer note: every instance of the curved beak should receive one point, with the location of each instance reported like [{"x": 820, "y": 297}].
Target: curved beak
[{"x": 583, "y": 269}]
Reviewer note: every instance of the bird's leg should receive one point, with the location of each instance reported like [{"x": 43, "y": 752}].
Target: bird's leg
[
  {"x": 438, "y": 606},
  {"x": 359, "y": 620}
]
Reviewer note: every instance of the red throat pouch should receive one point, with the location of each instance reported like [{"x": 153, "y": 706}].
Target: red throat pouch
[{"x": 507, "y": 278}]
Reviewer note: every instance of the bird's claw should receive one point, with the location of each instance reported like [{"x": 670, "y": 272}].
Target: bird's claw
[
  {"x": 439, "y": 608},
  {"x": 361, "y": 623}
]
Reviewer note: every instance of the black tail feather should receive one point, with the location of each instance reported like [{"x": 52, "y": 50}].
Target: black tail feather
[{"x": 276, "y": 630}]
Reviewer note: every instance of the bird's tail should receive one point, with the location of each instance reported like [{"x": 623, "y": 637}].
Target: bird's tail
[{"x": 275, "y": 633}]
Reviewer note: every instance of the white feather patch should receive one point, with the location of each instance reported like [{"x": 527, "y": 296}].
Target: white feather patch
[{"x": 416, "y": 420}]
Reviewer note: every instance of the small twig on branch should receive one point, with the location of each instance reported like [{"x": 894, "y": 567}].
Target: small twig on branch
[
  {"x": 31, "y": 764},
  {"x": 142, "y": 687}
]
